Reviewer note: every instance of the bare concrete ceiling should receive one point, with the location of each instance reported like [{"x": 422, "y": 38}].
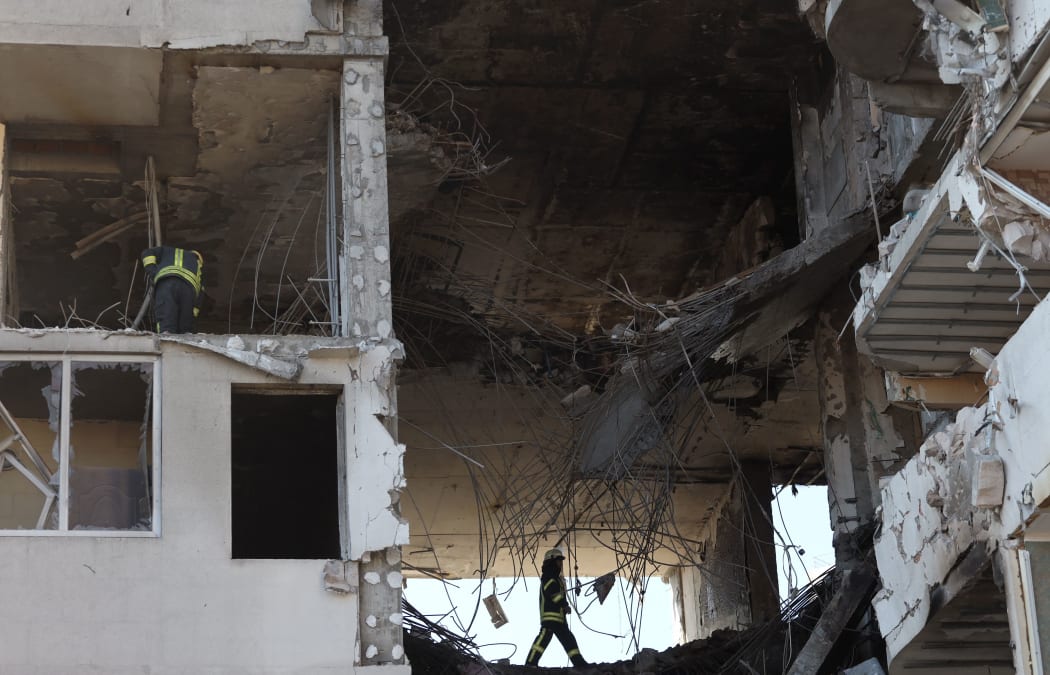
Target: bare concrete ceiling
[{"x": 639, "y": 133}]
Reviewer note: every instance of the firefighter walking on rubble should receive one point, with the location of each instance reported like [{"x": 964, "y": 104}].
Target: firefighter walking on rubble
[
  {"x": 176, "y": 277},
  {"x": 554, "y": 606}
]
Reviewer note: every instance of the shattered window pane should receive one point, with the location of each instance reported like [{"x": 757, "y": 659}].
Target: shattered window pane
[
  {"x": 111, "y": 446},
  {"x": 29, "y": 394}
]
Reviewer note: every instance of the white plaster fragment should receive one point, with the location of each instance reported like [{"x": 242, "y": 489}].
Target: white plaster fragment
[
  {"x": 397, "y": 652},
  {"x": 384, "y": 288},
  {"x": 235, "y": 342},
  {"x": 335, "y": 579},
  {"x": 351, "y": 76},
  {"x": 352, "y": 139},
  {"x": 381, "y": 254},
  {"x": 989, "y": 481},
  {"x": 397, "y": 618},
  {"x": 372, "y": 578},
  {"x": 267, "y": 346},
  {"x": 358, "y": 281},
  {"x": 393, "y": 556},
  {"x": 393, "y": 579},
  {"x": 356, "y": 252},
  {"x": 371, "y": 652},
  {"x": 371, "y": 620},
  {"x": 376, "y": 109},
  {"x": 366, "y": 557},
  {"x": 377, "y": 147},
  {"x": 383, "y": 328}
]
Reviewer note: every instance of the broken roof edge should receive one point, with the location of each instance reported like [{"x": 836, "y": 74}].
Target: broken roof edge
[{"x": 282, "y": 355}]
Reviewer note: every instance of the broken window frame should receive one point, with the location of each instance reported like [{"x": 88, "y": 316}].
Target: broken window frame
[{"x": 65, "y": 419}]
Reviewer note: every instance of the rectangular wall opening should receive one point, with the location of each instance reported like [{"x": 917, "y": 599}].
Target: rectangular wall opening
[{"x": 285, "y": 474}]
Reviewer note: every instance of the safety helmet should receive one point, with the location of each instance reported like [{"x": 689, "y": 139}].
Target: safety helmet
[{"x": 553, "y": 554}]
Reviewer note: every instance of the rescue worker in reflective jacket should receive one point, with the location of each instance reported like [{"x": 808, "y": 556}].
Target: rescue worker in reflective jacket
[
  {"x": 176, "y": 277},
  {"x": 553, "y": 608}
]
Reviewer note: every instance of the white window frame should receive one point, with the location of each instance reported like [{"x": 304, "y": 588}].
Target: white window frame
[{"x": 65, "y": 417}]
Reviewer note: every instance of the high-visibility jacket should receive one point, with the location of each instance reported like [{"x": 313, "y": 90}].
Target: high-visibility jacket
[
  {"x": 553, "y": 605},
  {"x": 167, "y": 261}
]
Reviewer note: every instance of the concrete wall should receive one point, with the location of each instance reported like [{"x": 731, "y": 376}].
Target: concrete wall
[
  {"x": 178, "y": 603},
  {"x": 714, "y": 593},
  {"x": 178, "y": 24},
  {"x": 972, "y": 488},
  {"x": 1028, "y": 22}
]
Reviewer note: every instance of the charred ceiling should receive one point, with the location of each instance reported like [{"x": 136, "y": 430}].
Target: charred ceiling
[{"x": 638, "y": 134}]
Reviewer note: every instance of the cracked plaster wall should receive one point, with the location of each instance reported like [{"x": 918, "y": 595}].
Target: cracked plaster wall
[
  {"x": 169, "y": 603},
  {"x": 176, "y": 24},
  {"x": 930, "y": 523}
]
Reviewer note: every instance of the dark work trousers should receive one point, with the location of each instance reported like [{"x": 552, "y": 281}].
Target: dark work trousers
[
  {"x": 173, "y": 300},
  {"x": 561, "y": 631}
]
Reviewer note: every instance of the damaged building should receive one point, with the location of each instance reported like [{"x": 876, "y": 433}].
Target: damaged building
[{"x": 485, "y": 278}]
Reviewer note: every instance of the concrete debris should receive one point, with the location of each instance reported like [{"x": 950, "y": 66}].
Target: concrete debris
[
  {"x": 989, "y": 482},
  {"x": 1007, "y": 215},
  {"x": 929, "y": 521},
  {"x": 964, "y": 51},
  {"x": 338, "y": 578},
  {"x": 869, "y": 667},
  {"x": 286, "y": 370},
  {"x": 856, "y": 585}
]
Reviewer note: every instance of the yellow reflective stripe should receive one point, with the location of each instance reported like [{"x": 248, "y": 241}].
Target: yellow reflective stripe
[
  {"x": 196, "y": 311},
  {"x": 572, "y": 652},
  {"x": 173, "y": 270},
  {"x": 537, "y": 646},
  {"x": 149, "y": 260},
  {"x": 552, "y": 616},
  {"x": 178, "y": 257},
  {"x": 558, "y": 598}
]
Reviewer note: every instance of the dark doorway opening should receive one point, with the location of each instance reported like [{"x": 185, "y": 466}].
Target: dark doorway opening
[{"x": 285, "y": 475}]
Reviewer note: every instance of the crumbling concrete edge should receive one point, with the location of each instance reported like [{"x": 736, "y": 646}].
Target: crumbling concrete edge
[{"x": 375, "y": 519}]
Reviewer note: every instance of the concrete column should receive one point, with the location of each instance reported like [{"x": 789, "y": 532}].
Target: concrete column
[
  {"x": 364, "y": 258},
  {"x": 859, "y": 434},
  {"x": 734, "y": 583},
  {"x": 759, "y": 550},
  {"x": 366, "y": 311}
]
